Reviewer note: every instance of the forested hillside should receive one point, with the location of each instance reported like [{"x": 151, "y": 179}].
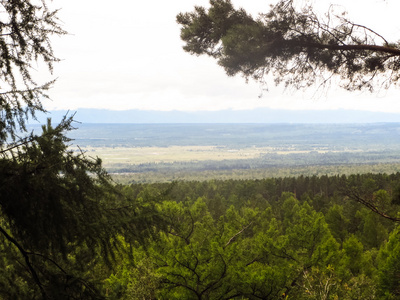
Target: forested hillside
[
  {"x": 317, "y": 237},
  {"x": 278, "y": 238}
]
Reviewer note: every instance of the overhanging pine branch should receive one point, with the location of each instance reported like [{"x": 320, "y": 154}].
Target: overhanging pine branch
[{"x": 361, "y": 47}]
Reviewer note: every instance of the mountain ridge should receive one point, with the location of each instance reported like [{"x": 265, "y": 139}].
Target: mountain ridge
[{"x": 259, "y": 115}]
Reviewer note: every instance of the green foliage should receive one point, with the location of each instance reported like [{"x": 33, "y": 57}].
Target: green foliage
[
  {"x": 134, "y": 276},
  {"x": 58, "y": 208},
  {"x": 294, "y": 45},
  {"x": 43, "y": 183},
  {"x": 352, "y": 260},
  {"x": 26, "y": 30},
  {"x": 337, "y": 222},
  {"x": 58, "y": 216},
  {"x": 372, "y": 231},
  {"x": 263, "y": 242},
  {"x": 389, "y": 268}
]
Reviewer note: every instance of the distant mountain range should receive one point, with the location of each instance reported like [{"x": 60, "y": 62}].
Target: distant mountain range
[{"x": 259, "y": 115}]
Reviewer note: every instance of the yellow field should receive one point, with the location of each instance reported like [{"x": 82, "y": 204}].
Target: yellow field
[
  {"x": 113, "y": 156},
  {"x": 140, "y": 155}
]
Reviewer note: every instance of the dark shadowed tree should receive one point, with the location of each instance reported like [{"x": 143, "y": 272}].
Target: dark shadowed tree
[
  {"x": 295, "y": 45},
  {"x": 60, "y": 215}
]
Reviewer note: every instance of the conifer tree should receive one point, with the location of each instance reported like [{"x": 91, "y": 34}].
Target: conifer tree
[
  {"x": 293, "y": 44},
  {"x": 59, "y": 212},
  {"x": 26, "y": 28}
]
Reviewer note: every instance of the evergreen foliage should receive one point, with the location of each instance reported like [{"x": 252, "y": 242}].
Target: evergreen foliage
[
  {"x": 291, "y": 238},
  {"x": 295, "y": 45},
  {"x": 61, "y": 217},
  {"x": 25, "y": 31}
]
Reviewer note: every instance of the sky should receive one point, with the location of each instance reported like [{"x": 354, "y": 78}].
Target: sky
[{"x": 125, "y": 54}]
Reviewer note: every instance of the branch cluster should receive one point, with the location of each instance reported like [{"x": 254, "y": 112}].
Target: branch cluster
[
  {"x": 25, "y": 31},
  {"x": 296, "y": 46}
]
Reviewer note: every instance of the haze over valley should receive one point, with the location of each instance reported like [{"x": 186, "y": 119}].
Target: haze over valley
[
  {"x": 181, "y": 151},
  {"x": 258, "y": 115}
]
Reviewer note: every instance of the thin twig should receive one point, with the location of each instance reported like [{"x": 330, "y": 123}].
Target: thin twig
[{"x": 233, "y": 237}]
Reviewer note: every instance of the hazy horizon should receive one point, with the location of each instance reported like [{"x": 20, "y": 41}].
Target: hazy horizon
[{"x": 258, "y": 115}]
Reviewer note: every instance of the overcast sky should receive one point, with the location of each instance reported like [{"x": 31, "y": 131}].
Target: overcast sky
[{"x": 125, "y": 54}]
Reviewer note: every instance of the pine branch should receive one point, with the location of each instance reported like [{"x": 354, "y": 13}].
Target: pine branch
[
  {"x": 233, "y": 237},
  {"x": 372, "y": 207},
  {"x": 27, "y": 261},
  {"x": 361, "y": 47}
]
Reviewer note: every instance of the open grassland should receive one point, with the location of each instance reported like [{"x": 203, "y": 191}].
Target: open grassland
[
  {"x": 116, "y": 157},
  {"x": 165, "y": 164},
  {"x": 166, "y": 152}
]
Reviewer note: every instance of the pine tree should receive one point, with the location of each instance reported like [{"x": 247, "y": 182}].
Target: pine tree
[{"x": 294, "y": 45}]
